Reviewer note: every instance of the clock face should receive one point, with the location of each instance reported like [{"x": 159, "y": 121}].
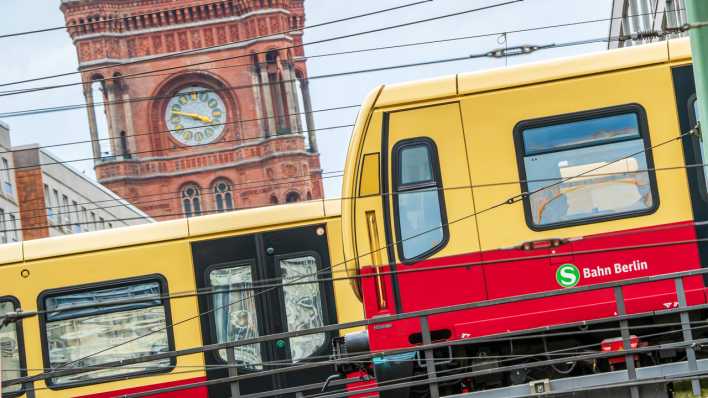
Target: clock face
[{"x": 195, "y": 115}]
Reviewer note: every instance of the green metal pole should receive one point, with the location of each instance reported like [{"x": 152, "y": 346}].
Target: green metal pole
[{"x": 697, "y": 12}]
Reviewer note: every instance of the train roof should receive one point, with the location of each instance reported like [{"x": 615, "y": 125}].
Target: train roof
[
  {"x": 193, "y": 227},
  {"x": 677, "y": 50}
]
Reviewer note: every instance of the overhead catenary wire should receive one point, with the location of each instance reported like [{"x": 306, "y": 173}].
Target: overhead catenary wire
[
  {"x": 493, "y": 53},
  {"x": 326, "y": 40},
  {"x": 384, "y": 247},
  {"x": 346, "y": 52},
  {"x": 127, "y": 17},
  {"x": 286, "y": 181}
]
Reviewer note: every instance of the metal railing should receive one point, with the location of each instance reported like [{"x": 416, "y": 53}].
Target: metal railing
[{"x": 432, "y": 379}]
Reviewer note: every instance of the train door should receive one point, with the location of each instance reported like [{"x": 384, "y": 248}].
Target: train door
[
  {"x": 430, "y": 211},
  {"x": 685, "y": 89},
  {"x": 264, "y": 284}
]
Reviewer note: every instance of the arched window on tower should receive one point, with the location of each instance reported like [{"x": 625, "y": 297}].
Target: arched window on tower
[
  {"x": 191, "y": 202},
  {"x": 277, "y": 93},
  {"x": 223, "y": 198},
  {"x": 98, "y": 120},
  {"x": 273, "y": 200},
  {"x": 292, "y": 197}
]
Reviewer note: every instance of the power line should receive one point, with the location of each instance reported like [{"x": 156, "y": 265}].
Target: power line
[
  {"x": 166, "y": 148},
  {"x": 99, "y": 22},
  {"x": 482, "y": 35},
  {"x": 493, "y": 53},
  {"x": 240, "y": 121},
  {"x": 288, "y": 181},
  {"x": 509, "y": 201},
  {"x": 179, "y": 53}
]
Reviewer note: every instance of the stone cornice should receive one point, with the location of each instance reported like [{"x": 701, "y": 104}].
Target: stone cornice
[
  {"x": 136, "y": 32},
  {"x": 243, "y": 162},
  {"x": 157, "y": 57}
]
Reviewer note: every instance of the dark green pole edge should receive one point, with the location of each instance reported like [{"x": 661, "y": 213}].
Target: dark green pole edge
[{"x": 697, "y": 12}]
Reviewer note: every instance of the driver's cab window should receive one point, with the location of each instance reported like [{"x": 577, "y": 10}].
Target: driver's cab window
[
  {"x": 418, "y": 200},
  {"x": 582, "y": 169}
]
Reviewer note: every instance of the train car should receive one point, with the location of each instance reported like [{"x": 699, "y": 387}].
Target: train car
[
  {"x": 528, "y": 179},
  {"x": 196, "y": 273}
]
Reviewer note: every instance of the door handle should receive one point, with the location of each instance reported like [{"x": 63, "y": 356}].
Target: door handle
[{"x": 376, "y": 256}]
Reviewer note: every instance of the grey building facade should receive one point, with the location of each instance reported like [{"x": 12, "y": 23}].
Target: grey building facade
[{"x": 634, "y": 16}]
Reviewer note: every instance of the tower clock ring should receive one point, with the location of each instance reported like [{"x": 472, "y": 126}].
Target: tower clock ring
[{"x": 195, "y": 115}]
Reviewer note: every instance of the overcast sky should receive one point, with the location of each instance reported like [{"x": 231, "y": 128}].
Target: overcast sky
[{"x": 53, "y": 52}]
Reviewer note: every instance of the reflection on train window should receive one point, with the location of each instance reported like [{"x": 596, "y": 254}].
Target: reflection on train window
[
  {"x": 235, "y": 315},
  {"x": 418, "y": 198},
  {"x": 9, "y": 350},
  {"x": 303, "y": 304},
  {"x": 135, "y": 327},
  {"x": 586, "y": 169}
]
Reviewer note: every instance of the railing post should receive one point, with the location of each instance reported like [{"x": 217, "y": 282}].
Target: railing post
[
  {"x": 429, "y": 358},
  {"x": 687, "y": 335},
  {"x": 233, "y": 371},
  {"x": 624, "y": 329}
]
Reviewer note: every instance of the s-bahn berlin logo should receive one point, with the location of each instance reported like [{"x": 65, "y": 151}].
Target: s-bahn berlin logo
[{"x": 567, "y": 275}]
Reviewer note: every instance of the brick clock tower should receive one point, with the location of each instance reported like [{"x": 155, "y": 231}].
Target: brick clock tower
[{"x": 208, "y": 109}]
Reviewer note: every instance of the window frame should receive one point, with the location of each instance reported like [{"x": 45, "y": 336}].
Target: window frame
[
  {"x": 644, "y": 135},
  {"x": 20, "y": 350},
  {"x": 251, "y": 263},
  {"x": 325, "y": 347},
  {"x": 436, "y": 182},
  {"x": 164, "y": 292},
  {"x": 695, "y": 143}
]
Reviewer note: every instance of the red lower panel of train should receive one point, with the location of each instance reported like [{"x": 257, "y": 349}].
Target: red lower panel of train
[
  {"x": 490, "y": 275},
  {"x": 198, "y": 392}
]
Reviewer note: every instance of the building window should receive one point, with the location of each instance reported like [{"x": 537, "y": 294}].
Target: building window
[
  {"x": 66, "y": 210},
  {"x": 84, "y": 219},
  {"x": 57, "y": 207},
  {"x": 15, "y": 233},
  {"x": 292, "y": 197},
  {"x": 222, "y": 196},
  {"x": 72, "y": 334},
  {"x": 93, "y": 221},
  {"x": 103, "y": 223},
  {"x": 604, "y": 150},
  {"x": 191, "y": 203},
  {"x": 273, "y": 200},
  {"x": 3, "y": 226},
  {"x": 48, "y": 203},
  {"x": 76, "y": 217},
  {"x": 11, "y": 349},
  {"x": 6, "y": 177},
  {"x": 418, "y": 199}
]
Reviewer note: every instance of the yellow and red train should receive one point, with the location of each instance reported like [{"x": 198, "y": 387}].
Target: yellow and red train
[
  {"x": 534, "y": 178},
  {"x": 462, "y": 189},
  {"x": 202, "y": 265}
]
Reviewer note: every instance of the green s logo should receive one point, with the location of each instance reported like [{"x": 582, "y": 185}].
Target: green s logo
[{"x": 567, "y": 275}]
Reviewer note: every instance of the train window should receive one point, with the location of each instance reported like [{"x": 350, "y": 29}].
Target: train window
[
  {"x": 418, "y": 200},
  {"x": 303, "y": 304},
  {"x": 235, "y": 316},
  {"x": 81, "y": 325},
  {"x": 586, "y": 167},
  {"x": 10, "y": 349}
]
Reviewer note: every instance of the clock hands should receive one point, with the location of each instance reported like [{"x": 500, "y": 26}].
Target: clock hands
[{"x": 194, "y": 116}]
